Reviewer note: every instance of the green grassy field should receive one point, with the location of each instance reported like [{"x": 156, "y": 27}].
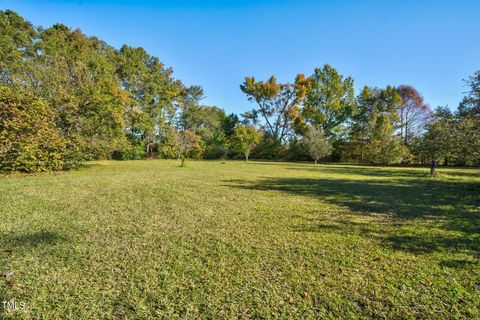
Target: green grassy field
[{"x": 148, "y": 239}]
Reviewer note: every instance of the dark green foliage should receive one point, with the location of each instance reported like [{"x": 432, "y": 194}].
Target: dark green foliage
[
  {"x": 129, "y": 153},
  {"x": 297, "y": 151},
  {"x": 269, "y": 149},
  {"x": 437, "y": 142},
  {"x": 372, "y": 135},
  {"x": 470, "y": 104},
  {"x": 339, "y": 150},
  {"x": 216, "y": 147},
  {"x": 205, "y": 121},
  {"x": 330, "y": 101},
  {"x": 452, "y": 138},
  {"x": 152, "y": 93},
  {"x": 229, "y": 124}
]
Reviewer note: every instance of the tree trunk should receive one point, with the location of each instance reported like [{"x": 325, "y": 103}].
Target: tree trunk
[
  {"x": 406, "y": 135},
  {"x": 363, "y": 153},
  {"x": 246, "y": 157},
  {"x": 402, "y": 122},
  {"x": 316, "y": 161},
  {"x": 446, "y": 161},
  {"x": 433, "y": 167}
]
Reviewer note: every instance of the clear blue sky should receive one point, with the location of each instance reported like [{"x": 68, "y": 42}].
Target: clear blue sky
[{"x": 431, "y": 45}]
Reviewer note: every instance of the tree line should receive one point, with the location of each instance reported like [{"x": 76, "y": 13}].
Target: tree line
[
  {"x": 66, "y": 98},
  {"x": 320, "y": 116}
]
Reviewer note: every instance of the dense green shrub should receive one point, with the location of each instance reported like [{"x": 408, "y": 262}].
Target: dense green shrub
[
  {"x": 386, "y": 151},
  {"x": 216, "y": 147},
  {"x": 297, "y": 151},
  {"x": 29, "y": 140},
  {"x": 268, "y": 148},
  {"x": 130, "y": 153}
]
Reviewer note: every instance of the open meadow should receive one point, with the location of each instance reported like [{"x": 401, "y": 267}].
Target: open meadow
[{"x": 223, "y": 240}]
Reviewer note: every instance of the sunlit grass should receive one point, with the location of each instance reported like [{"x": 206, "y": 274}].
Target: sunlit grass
[{"x": 149, "y": 239}]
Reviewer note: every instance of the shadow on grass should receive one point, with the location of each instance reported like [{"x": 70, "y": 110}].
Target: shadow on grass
[
  {"x": 457, "y": 264},
  {"x": 88, "y": 166},
  {"x": 366, "y": 171},
  {"x": 30, "y": 240},
  {"x": 425, "y": 215},
  {"x": 389, "y": 171}
]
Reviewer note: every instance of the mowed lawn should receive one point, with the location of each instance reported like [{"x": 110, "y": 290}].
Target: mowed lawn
[{"x": 220, "y": 240}]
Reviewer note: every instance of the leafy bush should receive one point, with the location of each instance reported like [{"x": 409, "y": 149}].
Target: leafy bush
[
  {"x": 29, "y": 140},
  {"x": 297, "y": 151},
  {"x": 268, "y": 148},
  {"x": 130, "y": 153},
  {"x": 244, "y": 139},
  {"x": 386, "y": 151},
  {"x": 216, "y": 147}
]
